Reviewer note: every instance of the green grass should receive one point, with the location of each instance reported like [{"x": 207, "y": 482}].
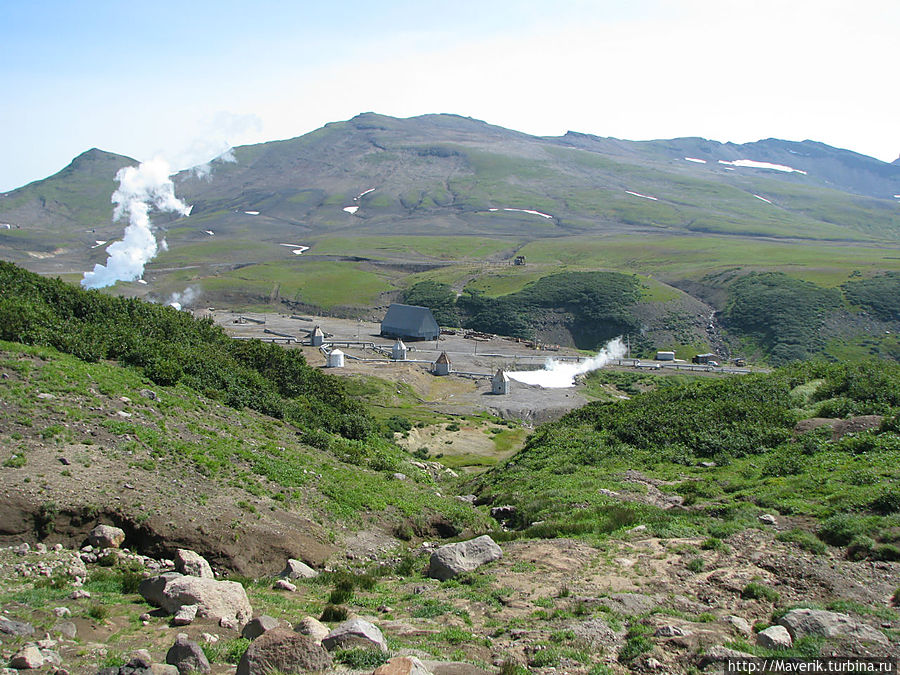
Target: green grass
[{"x": 439, "y": 247}]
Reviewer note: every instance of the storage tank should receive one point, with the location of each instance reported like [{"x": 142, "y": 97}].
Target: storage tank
[
  {"x": 336, "y": 359},
  {"x": 665, "y": 356},
  {"x": 398, "y": 351}
]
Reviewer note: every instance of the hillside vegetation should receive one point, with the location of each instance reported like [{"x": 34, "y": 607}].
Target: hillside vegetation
[{"x": 723, "y": 452}]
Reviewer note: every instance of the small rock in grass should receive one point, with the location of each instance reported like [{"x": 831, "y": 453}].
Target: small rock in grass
[{"x": 284, "y": 585}]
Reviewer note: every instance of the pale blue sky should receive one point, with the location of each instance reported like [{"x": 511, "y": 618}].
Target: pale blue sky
[{"x": 184, "y": 79}]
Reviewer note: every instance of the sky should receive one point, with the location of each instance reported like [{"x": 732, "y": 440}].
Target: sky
[{"x": 185, "y": 80}]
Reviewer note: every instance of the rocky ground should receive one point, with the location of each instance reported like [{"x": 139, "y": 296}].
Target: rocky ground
[{"x": 573, "y": 606}]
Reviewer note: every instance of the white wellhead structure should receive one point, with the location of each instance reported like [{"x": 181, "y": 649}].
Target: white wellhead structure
[
  {"x": 398, "y": 351},
  {"x": 336, "y": 359}
]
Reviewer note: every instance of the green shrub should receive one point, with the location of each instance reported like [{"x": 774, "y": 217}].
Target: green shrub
[
  {"x": 757, "y": 591},
  {"x": 333, "y": 613},
  {"x": 695, "y": 564},
  {"x": 360, "y": 658},
  {"x": 841, "y": 528},
  {"x": 806, "y": 540},
  {"x": 637, "y": 642}
]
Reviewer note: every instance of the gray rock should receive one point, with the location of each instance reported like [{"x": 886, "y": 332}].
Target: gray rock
[
  {"x": 161, "y": 669},
  {"x": 596, "y": 633},
  {"x": 774, "y": 637},
  {"x": 355, "y": 633},
  {"x": 668, "y": 631},
  {"x": 106, "y": 536},
  {"x": 629, "y": 604},
  {"x": 454, "y": 668},
  {"x": 140, "y": 659},
  {"x": 313, "y": 628},
  {"x": 719, "y": 653},
  {"x": 259, "y": 625},
  {"x": 187, "y": 656},
  {"x": 284, "y": 650},
  {"x": 11, "y": 627},
  {"x": 818, "y": 622},
  {"x": 503, "y": 512},
  {"x": 185, "y": 615},
  {"x": 452, "y": 559},
  {"x": 192, "y": 564},
  {"x": 402, "y": 665},
  {"x": 27, "y": 658},
  {"x": 66, "y": 629},
  {"x": 740, "y": 624},
  {"x": 225, "y": 601},
  {"x": 284, "y": 585},
  {"x": 296, "y": 569},
  {"x": 768, "y": 519},
  {"x": 79, "y": 593},
  {"x": 51, "y": 658}
]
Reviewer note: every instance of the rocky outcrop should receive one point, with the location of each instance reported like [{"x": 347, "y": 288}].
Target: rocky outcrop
[
  {"x": 283, "y": 650},
  {"x": 774, "y": 637},
  {"x": 355, "y": 633},
  {"x": 819, "y": 623},
  {"x": 452, "y": 559}
]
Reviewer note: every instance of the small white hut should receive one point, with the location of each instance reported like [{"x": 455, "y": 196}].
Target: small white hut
[
  {"x": 500, "y": 382},
  {"x": 398, "y": 351},
  {"x": 442, "y": 365},
  {"x": 336, "y": 359},
  {"x": 317, "y": 337}
]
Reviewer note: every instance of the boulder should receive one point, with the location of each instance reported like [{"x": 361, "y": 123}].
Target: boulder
[
  {"x": 140, "y": 659},
  {"x": 313, "y": 628},
  {"x": 402, "y": 665},
  {"x": 106, "y": 536},
  {"x": 27, "y": 658},
  {"x": 258, "y": 626},
  {"x": 774, "y": 637},
  {"x": 66, "y": 628},
  {"x": 819, "y": 623},
  {"x": 223, "y": 600},
  {"x": 192, "y": 564},
  {"x": 740, "y": 624},
  {"x": 295, "y": 569},
  {"x": 355, "y": 633},
  {"x": 284, "y": 585},
  {"x": 187, "y": 656},
  {"x": 11, "y": 627},
  {"x": 452, "y": 559},
  {"x": 283, "y": 650}
]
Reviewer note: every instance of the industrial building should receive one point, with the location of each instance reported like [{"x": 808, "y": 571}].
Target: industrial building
[{"x": 409, "y": 322}]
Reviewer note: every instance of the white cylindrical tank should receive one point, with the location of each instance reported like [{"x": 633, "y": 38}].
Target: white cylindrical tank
[
  {"x": 336, "y": 359},
  {"x": 398, "y": 352}
]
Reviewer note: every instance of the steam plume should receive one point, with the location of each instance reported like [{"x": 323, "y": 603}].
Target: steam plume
[
  {"x": 184, "y": 299},
  {"x": 140, "y": 188},
  {"x": 561, "y": 374}
]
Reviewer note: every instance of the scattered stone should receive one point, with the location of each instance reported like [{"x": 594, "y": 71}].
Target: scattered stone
[
  {"x": 27, "y": 658},
  {"x": 258, "y": 626},
  {"x": 355, "y": 633},
  {"x": 192, "y": 564},
  {"x": 774, "y": 637},
  {"x": 454, "y": 668},
  {"x": 629, "y": 604},
  {"x": 768, "y": 519},
  {"x": 144, "y": 617},
  {"x": 187, "y": 656},
  {"x": 503, "y": 512},
  {"x": 185, "y": 615},
  {"x": 402, "y": 665},
  {"x": 720, "y": 653},
  {"x": 399, "y": 476},
  {"x": 708, "y": 465},
  {"x": 140, "y": 659},
  {"x": 147, "y": 393},
  {"x": 46, "y": 397},
  {"x": 452, "y": 559},
  {"x": 595, "y": 632},
  {"x": 64, "y": 461},
  {"x": 668, "y": 631},
  {"x": 637, "y": 530},
  {"x": 283, "y": 650},
  {"x": 741, "y": 625},
  {"x": 62, "y": 611},
  {"x": 296, "y": 569},
  {"x": 66, "y": 628},
  {"x": 11, "y": 627},
  {"x": 653, "y": 664},
  {"x": 313, "y": 628},
  {"x": 209, "y": 638},
  {"x": 79, "y": 593},
  {"x": 818, "y": 622},
  {"x": 106, "y": 536},
  {"x": 284, "y": 585},
  {"x": 466, "y": 499}
]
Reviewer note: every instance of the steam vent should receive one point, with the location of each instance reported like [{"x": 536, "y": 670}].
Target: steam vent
[
  {"x": 317, "y": 337},
  {"x": 336, "y": 359},
  {"x": 398, "y": 351}
]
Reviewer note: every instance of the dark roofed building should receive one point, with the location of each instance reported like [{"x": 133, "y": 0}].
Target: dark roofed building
[{"x": 409, "y": 322}]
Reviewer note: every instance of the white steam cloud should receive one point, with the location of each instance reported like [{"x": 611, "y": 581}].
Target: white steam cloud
[
  {"x": 140, "y": 188},
  {"x": 204, "y": 171},
  {"x": 561, "y": 374},
  {"x": 184, "y": 299}
]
